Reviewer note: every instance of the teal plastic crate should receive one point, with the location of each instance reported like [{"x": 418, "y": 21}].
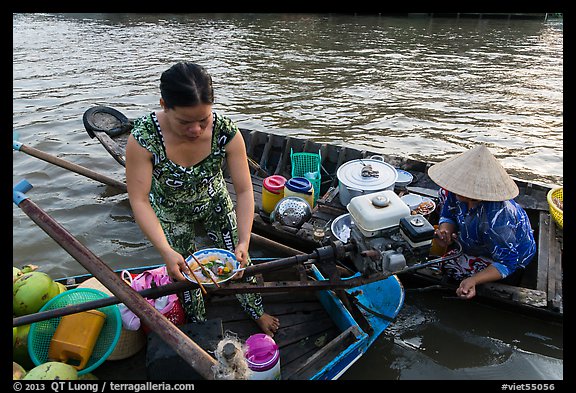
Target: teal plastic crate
[{"x": 307, "y": 165}]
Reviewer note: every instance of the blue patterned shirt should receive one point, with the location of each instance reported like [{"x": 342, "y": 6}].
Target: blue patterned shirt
[{"x": 498, "y": 230}]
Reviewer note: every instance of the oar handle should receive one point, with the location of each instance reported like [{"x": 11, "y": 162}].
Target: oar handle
[{"x": 69, "y": 165}]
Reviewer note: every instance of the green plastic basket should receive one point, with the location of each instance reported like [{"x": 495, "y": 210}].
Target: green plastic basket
[
  {"x": 41, "y": 332},
  {"x": 306, "y": 163}
]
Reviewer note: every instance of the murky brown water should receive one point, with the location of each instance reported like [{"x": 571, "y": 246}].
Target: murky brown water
[{"x": 421, "y": 88}]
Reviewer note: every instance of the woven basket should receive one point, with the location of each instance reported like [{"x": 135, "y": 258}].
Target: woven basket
[
  {"x": 130, "y": 341},
  {"x": 555, "y": 211}
]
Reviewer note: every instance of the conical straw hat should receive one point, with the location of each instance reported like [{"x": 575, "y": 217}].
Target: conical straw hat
[{"x": 475, "y": 174}]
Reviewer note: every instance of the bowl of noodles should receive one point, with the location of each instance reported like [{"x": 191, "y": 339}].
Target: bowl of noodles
[{"x": 220, "y": 264}]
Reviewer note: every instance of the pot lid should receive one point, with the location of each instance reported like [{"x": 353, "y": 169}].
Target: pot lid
[{"x": 367, "y": 174}]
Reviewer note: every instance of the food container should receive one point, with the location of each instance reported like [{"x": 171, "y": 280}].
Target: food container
[
  {"x": 373, "y": 213},
  {"x": 353, "y": 180},
  {"x": 263, "y": 357},
  {"x": 272, "y": 192},
  {"x": 300, "y": 187}
]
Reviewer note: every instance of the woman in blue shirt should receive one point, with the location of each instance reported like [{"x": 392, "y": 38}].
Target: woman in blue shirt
[{"x": 478, "y": 209}]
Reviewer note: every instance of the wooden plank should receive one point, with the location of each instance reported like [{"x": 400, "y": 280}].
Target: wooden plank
[
  {"x": 515, "y": 295},
  {"x": 292, "y": 334},
  {"x": 543, "y": 244},
  {"x": 326, "y": 354},
  {"x": 554, "y": 269},
  {"x": 294, "y": 355}
]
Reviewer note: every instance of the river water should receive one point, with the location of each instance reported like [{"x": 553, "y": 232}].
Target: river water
[{"x": 423, "y": 88}]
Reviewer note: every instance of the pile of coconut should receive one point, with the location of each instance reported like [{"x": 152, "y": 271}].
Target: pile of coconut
[{"x": 31, "y": 290}]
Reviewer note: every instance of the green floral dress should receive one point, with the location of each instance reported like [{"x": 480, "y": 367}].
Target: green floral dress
[{"x": 183, "y": 197}]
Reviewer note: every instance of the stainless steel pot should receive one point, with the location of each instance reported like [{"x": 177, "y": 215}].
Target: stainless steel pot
[{"x": 364, "y": 176}]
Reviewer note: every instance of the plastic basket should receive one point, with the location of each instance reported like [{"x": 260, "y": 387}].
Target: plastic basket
[
  {"x": 307, "y": 163},
  {"x": 555, "y": 211},
  {"x": 41, "y": 332}
]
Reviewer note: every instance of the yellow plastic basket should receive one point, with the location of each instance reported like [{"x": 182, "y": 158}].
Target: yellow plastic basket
[{"x": 556, "y": 194}]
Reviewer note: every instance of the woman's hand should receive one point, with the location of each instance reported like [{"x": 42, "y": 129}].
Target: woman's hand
[
  {"x": 241, "y": 253},
  {"x": 175, "y": 264},
  {"x": 445, "y": 234},
  {"x": 467, "y": 288}
]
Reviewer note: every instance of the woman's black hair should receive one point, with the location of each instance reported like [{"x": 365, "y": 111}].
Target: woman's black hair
[{"x": 186, "y": 84}]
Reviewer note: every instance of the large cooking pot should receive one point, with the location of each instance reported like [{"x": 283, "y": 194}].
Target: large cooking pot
[{"x": 364, "y": 176}]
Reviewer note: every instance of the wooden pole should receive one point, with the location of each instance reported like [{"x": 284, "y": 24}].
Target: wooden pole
[
  {"x": 70, "y": 166},
  {"x": 193, "y": 354}
]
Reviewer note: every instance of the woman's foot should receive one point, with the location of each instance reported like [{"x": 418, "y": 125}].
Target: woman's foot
[{"x": 268, "y": 324}]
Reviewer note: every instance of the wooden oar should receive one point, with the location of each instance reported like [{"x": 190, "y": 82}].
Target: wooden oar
[
  {"x": 68, "y": 165},
  {"x": 190, "y": 352}
]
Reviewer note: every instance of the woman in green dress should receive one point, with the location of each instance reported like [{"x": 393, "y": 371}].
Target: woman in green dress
[{"x": 174, "y": 176}]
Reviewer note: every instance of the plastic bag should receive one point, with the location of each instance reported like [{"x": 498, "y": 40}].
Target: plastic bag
[{"x": 168, "y": 305}]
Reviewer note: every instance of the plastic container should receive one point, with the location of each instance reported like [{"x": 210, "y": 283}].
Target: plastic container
[
  {"x": 263, "y": 357},
  {"x": 272, "y": 192},
  {"x": 300, "y": 187},
  {"x": 75, "y": 337},
  {"x": 436, "y": 250}
]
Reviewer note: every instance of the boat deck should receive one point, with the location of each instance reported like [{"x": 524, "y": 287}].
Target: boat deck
[{"x": 308, "y": 338}]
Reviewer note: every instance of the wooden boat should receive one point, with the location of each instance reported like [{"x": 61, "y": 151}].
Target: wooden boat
[
  {"x": 319, "y": 338},
  {"x": 539, "y": 292}
]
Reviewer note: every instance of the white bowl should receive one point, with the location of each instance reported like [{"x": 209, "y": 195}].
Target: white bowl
[
  {"x": 212, "y": 253},
  {"x": 404, "y": 178}
]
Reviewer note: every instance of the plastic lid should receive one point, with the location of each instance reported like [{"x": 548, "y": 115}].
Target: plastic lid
[
  {"x": 350, "y": 174},
  {"x": 274, "y": 183},
  {"x": 299, "y": 184},
  {"x": 262, "y": 351}
]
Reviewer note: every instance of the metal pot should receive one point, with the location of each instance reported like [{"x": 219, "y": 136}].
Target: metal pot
[
  {"x": 364, "y": 176},
  {"x": 341, "y": 227}
]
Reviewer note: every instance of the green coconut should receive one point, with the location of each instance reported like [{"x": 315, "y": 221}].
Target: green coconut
[
  {"x": 18, "y": 372},
  {"x": 31, "y": 291},
  {"x": 20, "y": 353},
  {"x": 16, "y": 273},
  {"x": 57, "y": 289},
  {"x": 53, "y": 371}
]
